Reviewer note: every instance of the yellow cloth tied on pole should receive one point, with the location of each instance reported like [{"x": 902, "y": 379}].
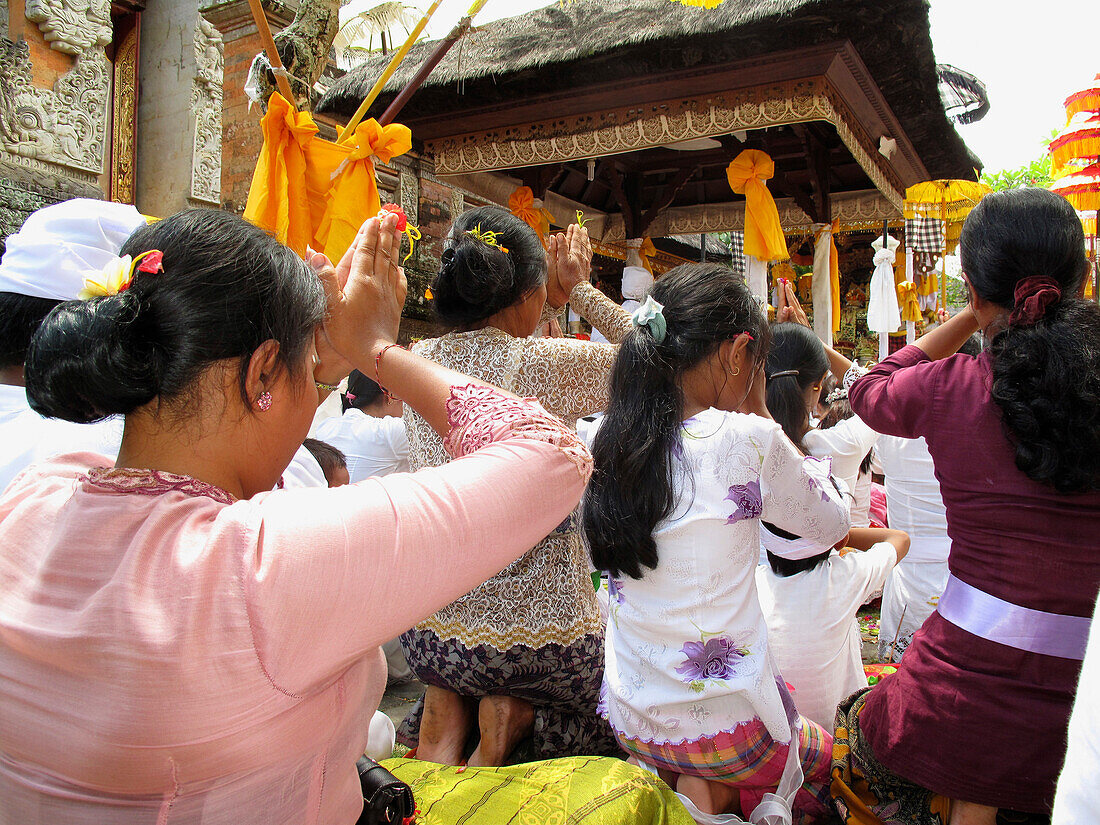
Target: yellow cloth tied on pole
[
  {"x": 279, "y": 198},
  {"x": 521, "y": 203},
  {"x": 764, "y": 237},
  {"x": 930, "y": 285},
  {"x": 352, "y": 194},
  {"x": 908, "y": 301}
]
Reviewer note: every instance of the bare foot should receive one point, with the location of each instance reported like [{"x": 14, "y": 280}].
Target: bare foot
[
  {"x": 971, "y": 813},
  {"x": 445, "y": 726},
  {"x": 709, "y": 797},
  {"x": 504, "y": 722}
]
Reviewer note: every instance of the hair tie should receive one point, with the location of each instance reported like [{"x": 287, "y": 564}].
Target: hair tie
[
  {"x": 118, "y": 274},
  {"x": 1032, "y": 298},
  {"x": 488, "y": 237},
  {"x": 651, "y": 316},
  {"x": 781, "y": 374}
]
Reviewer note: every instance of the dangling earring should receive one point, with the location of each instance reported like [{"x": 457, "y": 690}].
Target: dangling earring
[{"x": 263, "y": 403}]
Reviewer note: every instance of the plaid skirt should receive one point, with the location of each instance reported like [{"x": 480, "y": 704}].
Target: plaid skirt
[
  {"x": 562, "y": 683},
  {"x": 749, "y": 759},
  {"x": 867, "y": 793}
]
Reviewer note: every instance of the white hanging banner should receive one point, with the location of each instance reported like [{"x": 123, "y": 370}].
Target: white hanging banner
[{"x": 758, "y": 278}]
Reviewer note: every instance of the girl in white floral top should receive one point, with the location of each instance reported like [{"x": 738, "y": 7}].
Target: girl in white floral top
[{"x": 687, "y": 463}]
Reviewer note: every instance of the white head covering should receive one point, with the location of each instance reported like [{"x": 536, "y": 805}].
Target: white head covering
[
  {"x": 60, "y": 245},
  {"x": 636, "y": 282}
]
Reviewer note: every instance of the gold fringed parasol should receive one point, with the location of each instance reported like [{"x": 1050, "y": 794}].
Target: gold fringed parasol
[{"x": 949, "y": 201}]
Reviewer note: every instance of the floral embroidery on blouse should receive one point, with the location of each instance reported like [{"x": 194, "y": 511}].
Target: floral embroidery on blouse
[
  {"x": 153, "y": 483},
  {"x": 854, "y": 373},
  {"x": 749, "y": 501},
  {"x": 718, "y": 657}
]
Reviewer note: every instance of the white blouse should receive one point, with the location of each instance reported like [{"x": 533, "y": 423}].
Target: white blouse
[
  {"x": 847, "y": 443},
  {"x": 372, "y": 446},
  {"x": 687, "y": 645}
]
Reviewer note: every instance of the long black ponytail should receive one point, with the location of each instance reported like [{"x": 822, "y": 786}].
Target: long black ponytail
[
  {"x": 1024, "y": 250},
  {"x": 632, "y": 482}
]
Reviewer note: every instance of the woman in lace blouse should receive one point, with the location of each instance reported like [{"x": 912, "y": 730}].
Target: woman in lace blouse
[
  {"x": 522, "y": 653},
  {"x": 180, "y": 644}
]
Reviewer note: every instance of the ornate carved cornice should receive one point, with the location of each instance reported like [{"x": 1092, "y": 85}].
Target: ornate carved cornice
[
  {"x": 634, "y": 128},
  {"x": 72, "y": 26}
]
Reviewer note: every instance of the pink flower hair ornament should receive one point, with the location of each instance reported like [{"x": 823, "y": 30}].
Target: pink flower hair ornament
[{"x": 118, "y": 274}]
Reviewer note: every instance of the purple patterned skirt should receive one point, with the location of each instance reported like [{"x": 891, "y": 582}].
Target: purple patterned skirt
[{"x": 562, "y": 683}]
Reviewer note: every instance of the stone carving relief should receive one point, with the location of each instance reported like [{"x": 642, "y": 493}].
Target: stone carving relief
[
  {"x": 64, "y": 125},
  {"x": 72, "y": 26},
  {"x": 206, "y": 110}
]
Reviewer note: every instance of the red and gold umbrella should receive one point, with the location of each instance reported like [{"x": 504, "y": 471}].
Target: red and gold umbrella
[
  {"x": 1080, "y": 187},
  {"x": 1079, "y": 140},
  {"x": 1084, "y": 100}
]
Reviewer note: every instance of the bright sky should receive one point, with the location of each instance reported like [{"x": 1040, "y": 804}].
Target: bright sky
[{"x": 1030, "y": 57}]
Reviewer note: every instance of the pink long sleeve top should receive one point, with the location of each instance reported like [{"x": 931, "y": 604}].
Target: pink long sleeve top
[{"x": 171, "y": 655}]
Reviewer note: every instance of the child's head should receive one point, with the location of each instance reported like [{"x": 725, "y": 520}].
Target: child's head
[
  {"x": 710, "y": 322},
  {"x": 770, "y": 536},
  {"x": 840, "y": 409},
  {"x": 334, "y": 464},
  {"x": 365, "y": 394},
  {"x": 796, "y": 366}
]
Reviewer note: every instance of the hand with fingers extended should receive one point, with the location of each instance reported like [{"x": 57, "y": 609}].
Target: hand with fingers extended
[
  {"x": 789, "y": 310},
  {"x": 569, "y": 262},
  {"x": 365, "y": 292}
]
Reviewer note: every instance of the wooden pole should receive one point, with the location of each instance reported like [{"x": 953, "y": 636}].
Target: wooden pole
[
  {"x": 272, "y": 52},
  {"x": 383, "y": 78},
  {"x": 444, "y": 46}
]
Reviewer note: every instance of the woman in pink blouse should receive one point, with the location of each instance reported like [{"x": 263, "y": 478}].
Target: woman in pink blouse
[{"x": 177, "y": 642}]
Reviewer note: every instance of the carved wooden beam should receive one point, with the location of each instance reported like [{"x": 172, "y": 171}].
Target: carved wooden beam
[
  {"x": 625, "y": 191},
  {"x": 817, "y": 161},
  {"x": 667, "y": 195},
  {"x": 790, "y": 188}
]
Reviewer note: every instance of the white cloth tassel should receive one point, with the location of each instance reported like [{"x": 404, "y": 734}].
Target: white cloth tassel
[
  {"x": 822, "y": 288},
  {"x": 758, "y": 277},
  {"x": 883, "y": 313}
]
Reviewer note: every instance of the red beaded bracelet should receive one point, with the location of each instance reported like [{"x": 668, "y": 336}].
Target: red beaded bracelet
[{"x": 378, "y": 370}]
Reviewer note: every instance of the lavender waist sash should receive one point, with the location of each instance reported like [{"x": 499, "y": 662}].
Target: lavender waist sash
[{"x": 1036, "y": 631}]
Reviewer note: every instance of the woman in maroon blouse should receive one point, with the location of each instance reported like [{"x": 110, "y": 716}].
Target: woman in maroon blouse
[{"x": 976, "y": 719}]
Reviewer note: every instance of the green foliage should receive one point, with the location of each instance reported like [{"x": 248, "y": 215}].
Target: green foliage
[{"x": 1033, "y": 174}]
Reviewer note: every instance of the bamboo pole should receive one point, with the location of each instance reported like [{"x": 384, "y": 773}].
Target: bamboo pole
[
  {"x": 444, "y": 45},
  {"x": 281, "y": 79},
  {"x": 395, "y": 61}
]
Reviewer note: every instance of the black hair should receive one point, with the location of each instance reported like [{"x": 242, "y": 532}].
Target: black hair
[
  {"x": 1046, "y": 375},
  {"x": 20, "y": 317},
  {"x": 330, "y": 458},
  {"x": 828, "y": 384},
  {"x": 789, "y": 567},
  {"x": 477, "y": 280},
  {"x": 972, "y": 345},
  {"x": 631, "y": 489},
  {"x": 796, "y": 361},
  {"x": 226, "y": 288},
  {"x": 841, "y": 410},
  {"x": 362, "y": 392}
]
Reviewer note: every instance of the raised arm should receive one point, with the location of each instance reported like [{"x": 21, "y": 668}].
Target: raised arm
[
  {"x": 335, "y": 573},
  {"x": 569, "y": 265},
  {"x": 790, "y": 311}
]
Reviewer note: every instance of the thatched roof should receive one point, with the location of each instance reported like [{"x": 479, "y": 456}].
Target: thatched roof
[{"x": 580, "y": 42}]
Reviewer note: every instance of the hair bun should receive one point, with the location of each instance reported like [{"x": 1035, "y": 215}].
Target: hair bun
[{"x": 93, "y": 359}]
